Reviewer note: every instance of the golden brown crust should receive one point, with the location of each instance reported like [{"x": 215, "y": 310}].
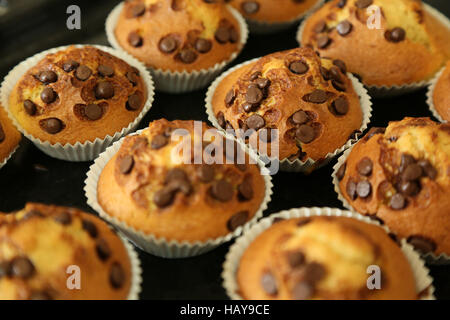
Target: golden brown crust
[
  {"x": 272, "y": 11},
  {"x": 52, "y": 239},
  {"x": 185, "y": 21},
  {"x": 184, "y": 209},
  {"x": 368, "y": 53},
  {"x": 414, "y": 208},
  {"x": 441, "y": 96},
  {"x": 323, "y": 258},
  {"x": 286, "y": 96},
  {"x": 110, "y": 114},
  {"x": 9, "y": 136}
]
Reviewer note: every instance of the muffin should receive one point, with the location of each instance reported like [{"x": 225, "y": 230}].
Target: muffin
[
  {"x": 157, "y": 190},
  {"x": 440, "y": 98},
  {"x": 309, "y": 100},
  {"x": 9, "y": 137},
  {"x": 400, "y": 176},
  {"x": 325, "y": 257},
  {"x": 77, "y": 94},
  {"x": 43, "y": 248},
  {"x": 410, "y": 46}
]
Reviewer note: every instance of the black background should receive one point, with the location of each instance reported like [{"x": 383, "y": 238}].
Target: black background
[{"x": 32, "y": 26}]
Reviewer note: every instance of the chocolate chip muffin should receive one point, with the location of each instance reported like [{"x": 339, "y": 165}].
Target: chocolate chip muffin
[
  {"x": 410, "y": 45},
  {"x": 401, "y": 176},
  {"x": 272, "y": 11},
  {"x": 323, "y": 258},
  {"x": 152, "y": 189},
  {"x": 43, "y": 248},
  {"x": 310, "y": 100},
  {"x": 178, "y": 35},
  {"x": 440, "y": 95},
  {"x": 9, "y": 136},
  {"x": 78, "y": 94}
]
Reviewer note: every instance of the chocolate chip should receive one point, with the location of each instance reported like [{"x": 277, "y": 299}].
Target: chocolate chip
[
  {"x": 398, "y": 202},
  {"x": 351, "y": 190},
  {"x": 126, "y": 164},
  {"x": 134, "y": 102},
  {"x": 254, "y": 95},
  {"x": 250, "y": 7},
  {"x": 405, "y": 161},
  {"x": 305, "y": 133},
  {"x": 5, "y": 269},
  {"x": 93, "y": 111},
  {"x": 269, "y": 283},
  {"x": 300, "y": 117},
  {"x": 363, "y": 189},
  {"x": 365, "y": 166},
  {"x": 248, "y": 107},
  {"x": 255, "y": 122},
  {"x": 90, "y": 228},
  {"x": 222, "y": 35},
  {"x": 22, "y": 267},
  {"x": 83, "y": 73},
  {"x": 373, "y": 131},
  {"x": 296, "y": 259},
  {"x": 428, "y": 168},
  {"x": 314, "y": 272},
  {"x": 159, "y": 141},
  {"x": 298, "y": 67},
  {"x": 341, "y": 3},
  {"x": 344, "y": 28},
  {"x": 221, "y": 119},
  {"x": 339, "y": 86},
  {"x": 30, "y": 107},
  {"x": 302, "y": 291},
  {"x": 48, "y": 95},
  {"x": 422, "y": 244},
  {"x": 205, "y": 173},
  {"x": 222, "y": 190},
  {"x": 132, "y": 77},
  {"x": 395, "y": 35},
  {"x": 230, "y": 97},
  {"x": 341, "y": 171},
  {"x": 263, "y": 83},
  {"x": 203, "y": 45},
  {"x": 245, "y": 189},
  {"x": 320, "y": 27},
  {"x": 255, "y": 75},
  {"x": 134, "y": 39},
  {"x": 116, "y": 276},
  {"x": 323, "y": 41},
  {"x": 48, "y": 77},
  {"x": 187, "y": 55},
  {"x": 168, "y": 44},
  {"x": 63, "y": 218},
  {"x": 317, "y": 96},
  {"x": 362, "y": 4},
  {"x": 103, "y": 250},
  {"x": 33, "y": 214},
  {"x": 341, "y": 106},
  {"x": 105, "y": 71},
  {"x": 51, "y": 125},
  {"x": 412, "y": 172},
  {"x": 341, "y": 65},
  {"x": 175, "y": 174},
  {"x": 237, "y": 220},
  {"x": 234, "y": 35},
  {"x": 163, "y": 197},
  {"x": 70, "y": 65},
  {"x": 138, "y": 10},
  {"x": 104, "y": 90},
  {"x": 409, "y": 188}
]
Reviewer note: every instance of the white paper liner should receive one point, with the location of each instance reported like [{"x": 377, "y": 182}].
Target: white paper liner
[
  {"x": 262, "y": 27},
  {"x": 79, "y": 151},
  {"x": 297, "y": 165},
  {"x": 431, "y": 258},
  {"x": 3, "y": 163},
  {"x": 232, "y": 260},
  {"x": 430, "y": 99},
  {"x": 175, "y": 81},
  {"x": 395, "y": 90},
  {"x": 136, "y": 270},
  {"x": 160, "y": 246}
]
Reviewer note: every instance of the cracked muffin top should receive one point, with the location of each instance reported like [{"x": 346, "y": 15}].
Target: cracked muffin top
[
  {"x": 401, "y": 176},
  {"x": 409, "y": 45},
  {"x": 77, "y": 95},
  {"x": 323, "y": 258},
  {"x": 178, "y": 35},
  {"x": 310, "y": 100},
  {"x": 42, "y": 246},
  {"x": 9, "y": 136}
]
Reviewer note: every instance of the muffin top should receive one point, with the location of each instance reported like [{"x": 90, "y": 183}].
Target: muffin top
[
  {"x": 323, "y": 258},
  {"x": 409, "y": 46},
  {"x": 78, "y": 95},
  {"x": 9, "y": 136},
  {"x": 43, "y": 248},
  {"x": 154, "y": 187},
  {"x": 272, "y": 11},
  {"x": 178, "y": 35},
  {"x": 441, "y": 96},
  {"x": 401, "y": 176},
  {"x": 309, "y": 100}
]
